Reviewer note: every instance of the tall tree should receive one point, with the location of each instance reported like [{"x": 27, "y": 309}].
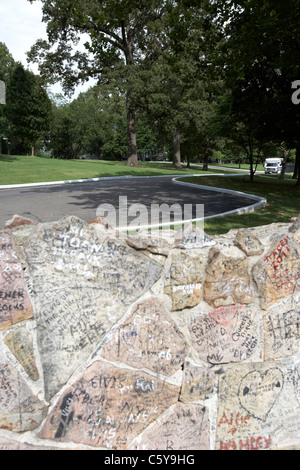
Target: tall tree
[
  {"x": 120, "y": 35},
  {"x": 93, "y": 124},
  {"x": 260, "y": 58},
  {"x": 7, "y": 65},
  {"x": 169, "y": 92},
  {"x": 29, "y": 107}
]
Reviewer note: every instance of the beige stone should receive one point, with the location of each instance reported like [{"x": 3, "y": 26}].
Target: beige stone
[
  {"x": 20, "y": 342},
  {"x": 20, "y": 409},
  {"x": 249, "y": 243},
  {"x": 193, "y": 238},
  {"x": 184, "y": 281},
  {"x": 258, "y": 406},
  {"x": 186, "y": 427},
  {"x": 148, "y": 339},
  {"x": 282, "y": 330},
  {"x": 154, "y": 244},
  {"x": 227, "y": 280},
  {"x": 15, "y": 305},
  {"x": 277, "y": 273},
  {"x": 198, "y": 383},
  {"x": 108, "y": 407},
  {"x": 226, "y": 334}
]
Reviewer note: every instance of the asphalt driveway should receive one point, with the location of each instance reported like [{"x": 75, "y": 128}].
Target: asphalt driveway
[{"x": 50, "y": 203}]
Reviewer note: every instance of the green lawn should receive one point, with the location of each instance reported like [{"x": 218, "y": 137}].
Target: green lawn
[
  {"x": 283, "y": 201},
  {"x": 22, "y": 169},
  {"x": 243, "y": 166}
]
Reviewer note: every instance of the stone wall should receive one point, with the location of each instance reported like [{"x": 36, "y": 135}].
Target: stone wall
[{"x": 138, "y": 342}]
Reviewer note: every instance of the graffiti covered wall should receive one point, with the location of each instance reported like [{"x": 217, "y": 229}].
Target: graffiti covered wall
[{"x": 140, "y": 342}]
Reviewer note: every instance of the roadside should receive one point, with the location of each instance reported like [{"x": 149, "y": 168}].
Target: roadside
[
  {"x": 283, "y": 201},
  {"x": 28, "y": 170}
]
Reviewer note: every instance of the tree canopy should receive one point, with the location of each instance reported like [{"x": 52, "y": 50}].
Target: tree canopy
[
  {"x": 29, "y": 108},
  {"x": 206, "y": 78},
  {"x": 259, "y": 60},
  {"x": 119, "y": 36}
]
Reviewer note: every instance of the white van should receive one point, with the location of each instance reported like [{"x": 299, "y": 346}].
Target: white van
[{"x": 273, "y": 166}]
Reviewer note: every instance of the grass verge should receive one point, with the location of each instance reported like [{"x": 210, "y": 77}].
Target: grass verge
[
  {"x": 283, "y": 201},
  {"x": 22, "y": 169}
]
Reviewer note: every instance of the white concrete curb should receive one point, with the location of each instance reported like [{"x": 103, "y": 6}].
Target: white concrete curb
[
  {"x": 58, "y": 183},
  {"x": 84, "y": 180},
  {"x": 259, "y": 204}
]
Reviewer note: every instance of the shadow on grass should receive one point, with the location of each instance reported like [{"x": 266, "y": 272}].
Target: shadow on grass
[{"x": 7, "y": 158}]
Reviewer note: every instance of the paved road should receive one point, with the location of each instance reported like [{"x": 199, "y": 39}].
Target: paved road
[{"x": 50, "y": 203}]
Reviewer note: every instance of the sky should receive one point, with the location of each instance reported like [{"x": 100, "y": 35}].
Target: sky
[{"x": 21, "y": 26}]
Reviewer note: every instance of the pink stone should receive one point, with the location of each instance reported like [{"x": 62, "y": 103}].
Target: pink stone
[
  {"x": 17, "y": 221},
  {"x": 277, "y": 273},
  {"x": 20, "y": 409},
  {"x": 15, "y": 305},
  {"x": 108, "y": 407}
]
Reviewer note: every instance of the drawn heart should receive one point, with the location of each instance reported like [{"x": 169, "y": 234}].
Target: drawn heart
[{"x": 259, "y": 392}]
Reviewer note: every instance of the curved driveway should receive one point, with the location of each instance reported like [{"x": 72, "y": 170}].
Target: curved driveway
[{"x": 51, "y": 202}]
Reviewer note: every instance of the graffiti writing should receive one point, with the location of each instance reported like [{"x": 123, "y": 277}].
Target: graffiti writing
[
  {"x": 279, "y": 254},
  {"x": 249, "y": 443}
]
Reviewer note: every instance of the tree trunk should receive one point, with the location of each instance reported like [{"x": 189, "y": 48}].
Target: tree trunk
[
  {"x": 252, "y": 171},
  {"x": 250, "y": 152},
  {"x": 285, "y": 158},
  {"x": 176, "y": 150},
  {"x": 0, "y": 145},
  {"x": 188, "y": 165},
  {"x": 205, "y": 161},
  {"x": 296, "y": 174},
  {"x": 32, "y": 150},
  {"x": 132, "y": 158},
  {"x": 297, "y": 165}
]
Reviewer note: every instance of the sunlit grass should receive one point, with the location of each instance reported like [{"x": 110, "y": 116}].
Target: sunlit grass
[
  {"x": 22, "y": 169},
  {"x": 283, "y": 201}
]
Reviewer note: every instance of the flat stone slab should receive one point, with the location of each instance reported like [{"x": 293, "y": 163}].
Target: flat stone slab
[
  {"x": 186, "y": 426},
  {"x": 277, "y": 273},
  {"x": 226, "y": 334},
  {"x": 249, "y": 243},
  {"x": 198, "y": 383},
  {"x": 282, "y": 329},
  {"x": 108, "y": 407},
  {"x": 83, "y": 282},
  {"x": 148, "y": 339},
  {"x": 20, "y": 342},
  {"x": 184, "y": 281},
  {"x": 227, "y": 281},
  {"x": 259, "y": 406},
  {"x": 20, "y": 409},
  {"x": 15, "y": 305}
]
